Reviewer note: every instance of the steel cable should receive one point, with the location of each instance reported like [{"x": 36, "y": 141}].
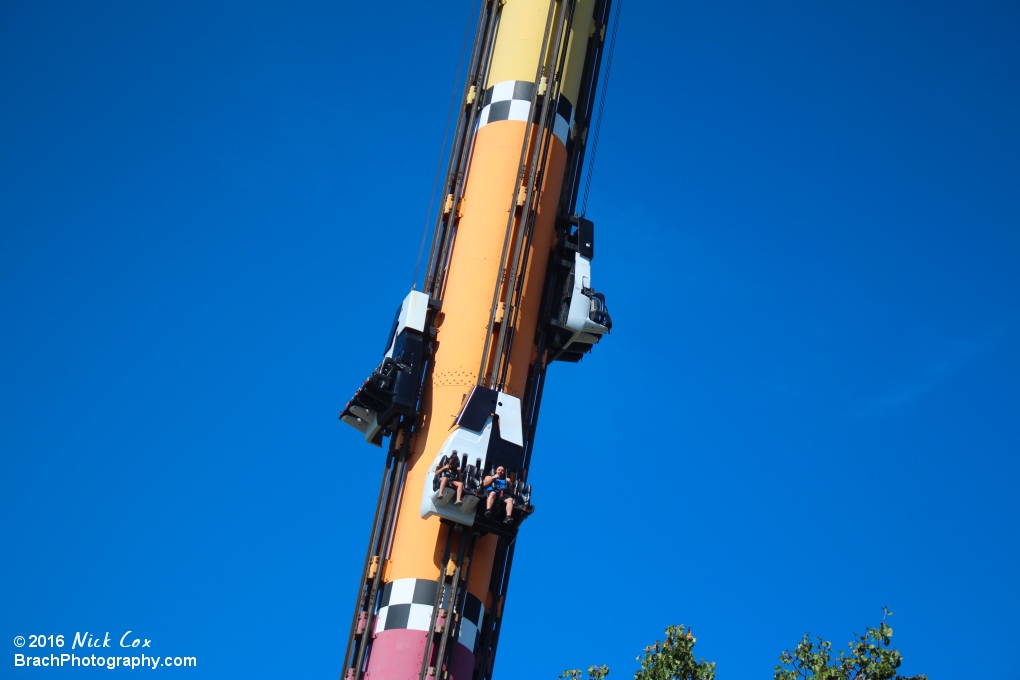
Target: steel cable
[
  {"x": 602, "y": 103},
  {"x": 442, "y": 149}
]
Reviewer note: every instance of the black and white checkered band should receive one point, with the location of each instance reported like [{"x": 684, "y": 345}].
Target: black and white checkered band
[
  {"x": 511, "y": 100},
  {"x": 407, "y": 603}
]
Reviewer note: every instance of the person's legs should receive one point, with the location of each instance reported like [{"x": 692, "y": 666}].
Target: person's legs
[
  {"x": 460, "y": 491},
  {"x": 490, "y": 500},
  {"x": 509, "y": 507},
  {"x": 442, "y": 486}
]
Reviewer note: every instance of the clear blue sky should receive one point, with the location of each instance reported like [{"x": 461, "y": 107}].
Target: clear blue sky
[{"x": 807, "y": 222}]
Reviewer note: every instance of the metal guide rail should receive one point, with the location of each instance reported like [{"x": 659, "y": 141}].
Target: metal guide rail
[
  {"x": 448, "y": 607},
  {"x": 389, "y": 403},
  {"x": 548, "y": 339},
  {"x": 572, "y": 319},
  {"x": 523, "y": 213},
  {"x": 460, "y": 152},
  {"x": 360, "y": 634}
]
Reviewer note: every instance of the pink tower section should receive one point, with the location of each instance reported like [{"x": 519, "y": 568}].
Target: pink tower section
[
  {"x": 396, "y": 655},
  {"x": 402, "y": 629}
]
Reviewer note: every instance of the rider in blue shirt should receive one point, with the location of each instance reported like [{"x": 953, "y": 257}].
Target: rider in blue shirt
[{"x": 496, "y": 486}]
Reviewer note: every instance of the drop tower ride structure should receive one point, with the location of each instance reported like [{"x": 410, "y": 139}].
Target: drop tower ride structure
[{"x": 507, "y": 291}]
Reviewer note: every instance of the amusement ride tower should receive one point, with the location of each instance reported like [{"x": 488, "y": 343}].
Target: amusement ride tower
[{"x": 507, "y": 291}]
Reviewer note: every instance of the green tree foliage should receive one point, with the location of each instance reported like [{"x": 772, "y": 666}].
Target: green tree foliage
[
  {"x": 869, "y": 658},
  {"x": 594, "y": 673},
  {"x": 669, "y": 659},
  {"x": 673, "y": 659}
]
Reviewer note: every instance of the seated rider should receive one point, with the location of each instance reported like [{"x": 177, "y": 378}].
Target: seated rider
[
  {"x": 496, "y": 486},
  {"x": 450, "y": 473}
]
